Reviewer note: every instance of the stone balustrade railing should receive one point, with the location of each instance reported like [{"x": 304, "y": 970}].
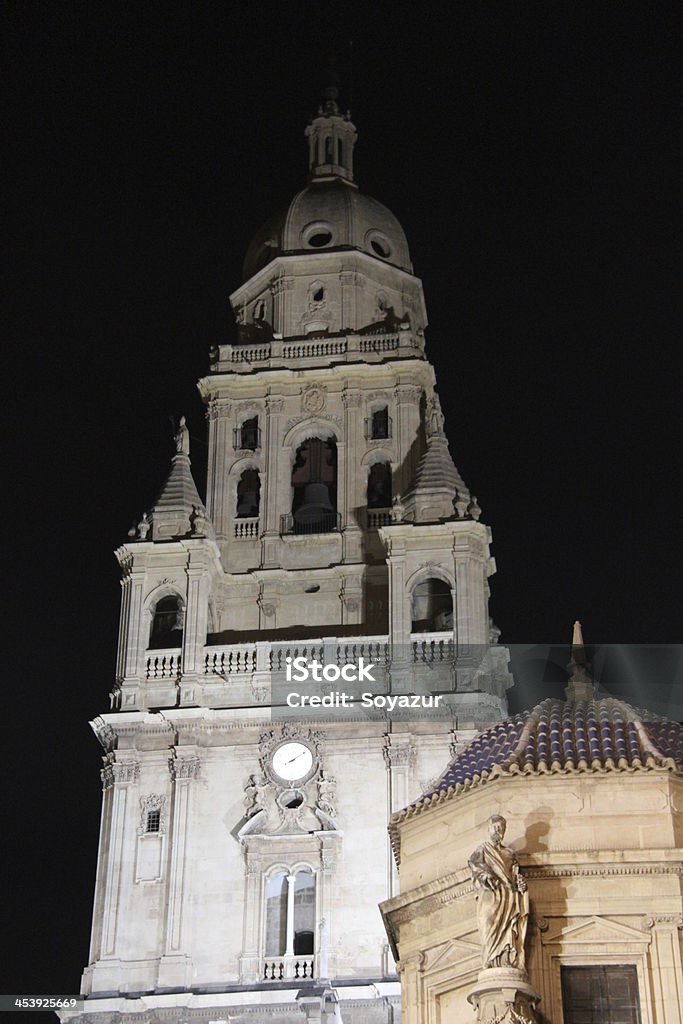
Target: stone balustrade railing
[
  {"x": 163, "y": 664},
  {"x": 280, "y": 968},
  {"x": 344, "y": 348},
  {"x": 245, "y": 659},
  {"x": 247, "y": 528}
]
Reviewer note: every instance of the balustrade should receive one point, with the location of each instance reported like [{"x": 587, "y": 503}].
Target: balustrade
[{"x": 300, "y": 968}]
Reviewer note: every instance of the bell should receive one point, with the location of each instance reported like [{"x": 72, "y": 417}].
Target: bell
[
  {"x": 316, "y": 505},
  {"x": 247, "y": 505}
]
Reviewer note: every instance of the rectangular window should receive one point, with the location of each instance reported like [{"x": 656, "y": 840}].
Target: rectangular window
[
  {"x": 603, "y": 994},
  {"x": 153, "y": 821}
]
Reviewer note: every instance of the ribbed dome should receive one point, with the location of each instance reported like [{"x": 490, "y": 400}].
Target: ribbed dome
[
  {"x": 563, "y": 737},
  {"x": 330, "y": 214}
]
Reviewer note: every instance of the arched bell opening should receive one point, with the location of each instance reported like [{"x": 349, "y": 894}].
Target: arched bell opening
[
  {"x": 379, "y": 486},
  {"x": 167, "y": 623},
  {"x": 248, "y": 494},
  {"x": 314, "y": 487},
  {"x": 432, "y": 607}
]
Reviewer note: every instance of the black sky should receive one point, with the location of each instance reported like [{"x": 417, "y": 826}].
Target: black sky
[{"x": 530, "y": 151}]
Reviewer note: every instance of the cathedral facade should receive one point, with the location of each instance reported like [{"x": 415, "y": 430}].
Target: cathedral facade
[{"x": 242, "y": 854}]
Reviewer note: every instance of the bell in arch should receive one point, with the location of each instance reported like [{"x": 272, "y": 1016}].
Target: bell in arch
[{"x": 315, "y": 506}]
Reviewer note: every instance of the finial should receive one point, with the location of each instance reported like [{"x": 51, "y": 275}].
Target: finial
[
  {"x": 580, "y": 685},
  {"x": 331, "y": 92}
]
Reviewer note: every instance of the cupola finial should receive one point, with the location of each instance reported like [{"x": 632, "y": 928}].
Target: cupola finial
[
  {"x": 580, "y": 685},
  {"x": 331, "y": 137}
]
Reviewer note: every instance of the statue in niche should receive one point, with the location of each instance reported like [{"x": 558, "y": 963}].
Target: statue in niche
[
  {"x": 502, "y": 899},
  {"x": 182, "y": 438}
]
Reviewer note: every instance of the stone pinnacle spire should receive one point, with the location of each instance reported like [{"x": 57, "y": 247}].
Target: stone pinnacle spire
[
  {"x": 438, "y": 490},
  {"x": 178, "y": 507},
  {"x": 580, "y": 685}
]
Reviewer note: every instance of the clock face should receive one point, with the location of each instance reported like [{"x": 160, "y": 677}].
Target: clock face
[{"x": 292, "y": 761}]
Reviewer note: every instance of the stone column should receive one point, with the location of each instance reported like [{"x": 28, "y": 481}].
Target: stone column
[
  {"x": 410, "y": 969},
  {"x": 250, "y": 965},
  {"x": 407, "y": 430},
  {"x": 175, "y": 967},
  {"x": 667, "y": 968},
  {"x": 354, "y": 500},
  {"x": 220, "y": 443},
  {"x": 196, "y": 621},
  {"x": 117, "y": 777},
  {"x": 272, "y": 499},
  {"x": 289, "y": 950},
  {"x": 399, "y": 757}
]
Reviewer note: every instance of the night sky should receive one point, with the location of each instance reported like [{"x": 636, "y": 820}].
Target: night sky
[{"x": 529, "y": 151}]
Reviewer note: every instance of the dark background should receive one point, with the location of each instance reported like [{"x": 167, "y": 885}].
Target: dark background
[{"x": 528, "y": 150}]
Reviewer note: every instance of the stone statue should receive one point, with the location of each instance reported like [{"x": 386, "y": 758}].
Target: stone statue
[
  {"x": 436, "y": 417},
  {"x": 327, "y": 792},
  {"x": 199, "y": 521},
  {"x": 502, "y": 899},
  {"x": 182, "y": 438},
  {"x": 255, "y": 794}
]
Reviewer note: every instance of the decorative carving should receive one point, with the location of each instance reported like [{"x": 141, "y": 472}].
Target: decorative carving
[
  {"x": 104, "y": 733},
  {"x": 502, "y": 899},
  {"x": 281, "y": 284},
  {"x": 152, "y": 802},
  {"x": 274, "y": 405},
  {"x": 327, "y": 794},
  {"x": 182, "y": 768},
  {"x": 673, "y": 920},
  {"x": 143, "y": 527},
  {"x": 352, "y": 399},
  {"x": 397, "y": 757},
  {"x": 255, "y": 793},
  {"x": 408, "y": 393},
  {"x": 350, "y": 277},
  {"x": 313, "y": 399}
]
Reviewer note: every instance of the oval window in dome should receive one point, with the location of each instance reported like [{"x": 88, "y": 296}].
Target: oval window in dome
[
  {"x": 379, "y": 244},
  {"x": 320, "y": 238}
]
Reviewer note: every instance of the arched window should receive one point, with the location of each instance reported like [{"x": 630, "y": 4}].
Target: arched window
[
  {"x": 329, "y": 150},
  {"x": 304, "y": 914},
  {"x": 432, "y": 607},
  {"x": 314, "y": 487},
  {"x": 295, "y": 936},
  {"x": 248, "y": 494},
  {"x": 248, "y": 435},
  {"x": 316, "y": 292},
  {"x": 167, "y": 623},
  {"x": 260, "y": 311},
  {"x": 339, "y": 152},
  {"x": 379, "y": 485},
  {"x": 379, "y": 423}
]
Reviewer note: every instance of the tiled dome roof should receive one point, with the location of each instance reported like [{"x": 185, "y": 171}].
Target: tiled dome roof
[{"x": 562, "y": 737}]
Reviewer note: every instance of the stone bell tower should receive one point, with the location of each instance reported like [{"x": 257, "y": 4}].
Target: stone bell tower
[{"x": 243, "y": 854}]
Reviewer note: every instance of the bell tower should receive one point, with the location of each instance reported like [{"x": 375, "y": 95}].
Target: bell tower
[{"x": 234, "y": 876}]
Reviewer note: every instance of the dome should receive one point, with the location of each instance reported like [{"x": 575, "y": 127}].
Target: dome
[
  {"x": 562, "y": 738},
  {"x": 328, "y": 215}
]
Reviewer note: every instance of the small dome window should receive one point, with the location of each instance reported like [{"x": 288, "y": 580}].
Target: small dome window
[
  {"x": 379, "y": 244},
  {"x": 319, "y": 239}
]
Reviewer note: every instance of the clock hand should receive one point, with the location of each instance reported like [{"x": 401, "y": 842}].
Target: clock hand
[{"x": 295, "y": 757}]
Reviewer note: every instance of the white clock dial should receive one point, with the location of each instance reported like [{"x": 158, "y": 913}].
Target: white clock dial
[{"x": 292, "y": 761}]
